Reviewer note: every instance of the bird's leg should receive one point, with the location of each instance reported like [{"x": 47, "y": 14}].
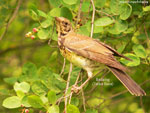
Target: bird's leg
[{"x": 76, "y": 89}]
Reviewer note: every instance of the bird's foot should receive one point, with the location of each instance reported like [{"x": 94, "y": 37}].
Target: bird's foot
[{"x": 75, "y": 89}]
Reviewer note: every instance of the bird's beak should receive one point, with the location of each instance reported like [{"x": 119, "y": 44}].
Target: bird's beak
[{"x": 57, "y": 19}]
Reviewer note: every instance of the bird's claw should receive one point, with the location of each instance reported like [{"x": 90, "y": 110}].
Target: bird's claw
[{"x": 75, "y": 89}]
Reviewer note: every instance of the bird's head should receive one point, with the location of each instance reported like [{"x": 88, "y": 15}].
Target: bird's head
[{"x": 63, "y": 26}]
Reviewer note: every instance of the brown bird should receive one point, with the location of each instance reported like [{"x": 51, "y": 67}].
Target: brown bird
[{"x": 89, "y": 54}]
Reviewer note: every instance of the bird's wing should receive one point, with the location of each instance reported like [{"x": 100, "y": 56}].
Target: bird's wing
[{"x": 94, "y": 50}]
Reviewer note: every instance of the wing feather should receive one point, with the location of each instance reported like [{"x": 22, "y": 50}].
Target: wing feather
[{"x": 89, "y": 48}]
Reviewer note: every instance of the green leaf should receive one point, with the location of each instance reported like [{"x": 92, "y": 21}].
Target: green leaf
[
  {"x": 75, "y": 101},
  {"x": 12, "y": 102},
  {"x": 91, "y": 111},
  {"x": 51, "y": 80},
  {"x": 104, "y": 21},
  {"x": 43, "y": 33},
  {"x": 35, "y": 101},
  {"x": 100, "y": 3},
  {"x": 122, "y": 47},
  {"x": 84, "y": 31},
  {"x": 133, "y": 107},
  {"x": 125, "y": 11},
  {"x": 55, "y": 3},
  {"x": 20, "y": 94},
  {"x": 65, "y": 12},
  {"x": 42, "y": 14},
  {"x": 70, "y": 2},
  {"x": 52, "y": 97},
  {"x": 10, "y": 80},
  {"x": 97, "y": 29},
  {"x": 121, "y": 25},
  {"x": 61, "y": 12},
  {"x": 55, "y": 12},
  {"x": 147, "y": 8},
  {"x": 39, "y": 88},
  {"x": 72, "y": 109},
  {"x": 44, "y": 99},
  {"x": 25, "y": 102},
  {"x": 135, "y": 60},
  {"x": 139, "y": 50},
  {"x": 115, "y": 6},
  {"x": 29, "y": 72},
  {"x": 33, "y": 12},
  {"x": 4, "y": 92},
  {"x": 23, "y": 86},
  {"x": 85, "y": 6},
  {"x": 53, "y": 109},
  {"x": 46, "y": 23},
  {"x": 113, "y": 30},
  {"x": 130, "y": 30}
]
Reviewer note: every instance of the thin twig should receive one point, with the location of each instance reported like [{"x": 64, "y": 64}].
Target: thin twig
[
  {"x": 93, "y": 16},
  {"x": 67, "y": 86},
  {"x": 83, "y": 97},
  {"x": 75, "y": 85},
  {"x": 11, "y": 18},
  {"x": 141, "y": 103},
  {"x": 105, "y": 14},
  {"x": 70, "y": 97},
  {"x": 148, "y": 41},
  {"x": 79, "y": 12},
  {"x": 63, "y": 68}
]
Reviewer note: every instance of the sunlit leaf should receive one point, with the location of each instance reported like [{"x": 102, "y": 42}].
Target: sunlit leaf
[
  {"x": 52, "y": 97},
  {"x": 135, "y": 60},
  {"x": 115, "y": 6},
  {"x": 43, "y": 33},
  {"x": 104, "y": 21},
  {"x": 139, "y": 50},
  {"x": 72, "y": 109},
  {"x": 23, "y": 86},
  {"x": 12, "y": 102},
  {"x": 53, "y": 109},
  {"x": 125, "y": 11}
]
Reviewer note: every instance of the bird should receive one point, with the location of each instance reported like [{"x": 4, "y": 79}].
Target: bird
[{"x": 89, "y": 53}]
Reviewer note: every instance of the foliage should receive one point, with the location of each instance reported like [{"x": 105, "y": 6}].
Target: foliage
[{"x": 31, "y": 37}]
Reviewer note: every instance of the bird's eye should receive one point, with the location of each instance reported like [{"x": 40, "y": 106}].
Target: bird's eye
[{"x": 65, "y": 23}]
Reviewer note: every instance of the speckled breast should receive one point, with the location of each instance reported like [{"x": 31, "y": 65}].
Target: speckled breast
[{"x": 76, "y": 59}]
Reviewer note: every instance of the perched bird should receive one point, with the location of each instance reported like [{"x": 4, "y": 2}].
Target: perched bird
[{"x": 89, "y": 54}]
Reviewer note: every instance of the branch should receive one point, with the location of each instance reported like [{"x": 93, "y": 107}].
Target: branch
[
  {"x": 83, "y": 98},
  {"x": 11, "y": 18},
  {"x": 105, "y": 14},
  {"x": 93, "y": 16},
  {"x": 141, "y": 103},
  {"x": 68, "y": 81},
  {"x": 63, "y": 68},
  {"x": 75, "y": 85},
  {"x": 79, "y": 12},
  {"x": 148, "y": 41}
]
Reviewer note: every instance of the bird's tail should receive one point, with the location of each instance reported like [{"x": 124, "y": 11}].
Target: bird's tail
[{"x": 127, "y": 81}]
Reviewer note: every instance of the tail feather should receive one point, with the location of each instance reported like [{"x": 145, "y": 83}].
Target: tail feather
[{"x": 127, "y": 81}]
